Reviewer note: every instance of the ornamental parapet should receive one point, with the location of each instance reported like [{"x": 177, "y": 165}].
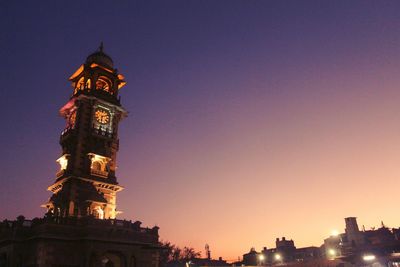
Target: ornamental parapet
[
  {"x": 67, "y": 130},
  {"x": 60, "y": 173},
  {"x": 103, "y": 132},
  {"x": 100, "y": 173},
  {"x": 71, "y": 228},
  {"x": 66, "y": 133}
]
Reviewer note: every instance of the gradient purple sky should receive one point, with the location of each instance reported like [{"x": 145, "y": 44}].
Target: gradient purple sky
[{"x": 248, "y": 120}]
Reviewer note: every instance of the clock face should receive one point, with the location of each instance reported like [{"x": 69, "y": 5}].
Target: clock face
[{"x": 102, "y": 116}]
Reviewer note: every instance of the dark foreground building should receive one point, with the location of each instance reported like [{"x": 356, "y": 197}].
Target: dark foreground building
[{"x": 80, "y": 227}]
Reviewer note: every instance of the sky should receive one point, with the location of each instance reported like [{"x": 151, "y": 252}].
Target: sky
[{"x": 248, "y": 120}]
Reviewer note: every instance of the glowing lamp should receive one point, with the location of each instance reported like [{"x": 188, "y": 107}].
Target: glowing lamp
[
  {"x": 369, "y": 257},
  {"x": 332, "y": 252},
  {"x": 63, "y": 161}
]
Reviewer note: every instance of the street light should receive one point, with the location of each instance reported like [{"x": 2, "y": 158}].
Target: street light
[
  {"x": 332, "y": 252},
  {"x": 369, "y": 257},
  {"x": 261, "y": 258},
  {"x": 334, "y": 233}
]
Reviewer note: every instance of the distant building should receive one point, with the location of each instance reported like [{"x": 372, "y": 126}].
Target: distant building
[
  {"x": 208, "y": 262},
  {"x": 199, "y": 262},
  {"x": 285, "y": 250},
  {"x": 332, "y": 246},
  {"x": 251, "y": 258},
  {"x": 396, "y": 233},
  {"x": 354, "y": 247},
  {"x": 353, "y": 236},
  {"x": 284, "y": 253},
  {"x": 307, "y": 253},
  {"x": 368, "y": 247},
  {"x": 380, "y": 236}
]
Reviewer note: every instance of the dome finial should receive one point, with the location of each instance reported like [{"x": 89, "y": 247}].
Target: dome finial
[{"x": 99, "y": 57}]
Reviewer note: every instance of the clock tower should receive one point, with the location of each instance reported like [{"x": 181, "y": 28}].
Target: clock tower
[
  {"x": 86, "y": 183},
  {"x": 80, "y": 227}
]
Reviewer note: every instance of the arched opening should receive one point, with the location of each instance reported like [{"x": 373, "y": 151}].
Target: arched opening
[
  {"x": 103, "y": 83},
  {"x": 88, "y": 84},
  {"x": 96, "y": 165},
  {"x": 111, "y": 259},
  {"x": 98, "y": 213},
  {"x": 80, "y": 85}
]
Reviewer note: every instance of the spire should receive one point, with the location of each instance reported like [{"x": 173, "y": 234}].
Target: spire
[{"x": 101, "y": 47}]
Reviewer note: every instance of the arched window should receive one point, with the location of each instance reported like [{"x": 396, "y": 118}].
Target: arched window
[
  {"x": 98, "y": 213},
  {"x": 63, "y": 161},
  {"x": 111, "y": 259},
  {"x": 80, "y": 85},
  {"x": 96, "y": 165},
  {"x": 103, "y": 83},
  {"x": 88, "y": 84}
]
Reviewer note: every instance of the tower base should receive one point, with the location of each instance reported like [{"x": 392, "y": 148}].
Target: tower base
[{"x": 77, "y": 242}]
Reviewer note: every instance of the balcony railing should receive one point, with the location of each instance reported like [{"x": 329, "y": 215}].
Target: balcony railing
[
  {"x": 67, "y": 130},
  {"x": 103, "y": 131},
  {"x": 60, "y": 173},
  {"x": 100, "y": 173}
]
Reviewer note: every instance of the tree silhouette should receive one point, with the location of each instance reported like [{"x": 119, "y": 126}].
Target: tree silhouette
[
  {"x": 189, "y": 253},
  {"x": 171, "y": 253}
]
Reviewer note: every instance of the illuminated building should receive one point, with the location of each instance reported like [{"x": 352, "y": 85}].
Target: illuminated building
[
  {"x": 375, "y": 247},
  {"x": 285, "y": 253},
  {"x": 86, "y": 183},
  {"x": 80, "y": 227}
]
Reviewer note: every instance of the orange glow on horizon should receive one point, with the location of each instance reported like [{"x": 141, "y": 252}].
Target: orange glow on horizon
[{"x": 296, "y": 168}]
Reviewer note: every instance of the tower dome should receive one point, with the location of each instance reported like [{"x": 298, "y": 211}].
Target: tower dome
[{"x": 101, "y": 58}]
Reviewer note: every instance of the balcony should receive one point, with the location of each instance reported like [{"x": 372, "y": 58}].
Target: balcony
[
  {"x": 103, "y": 131},
  {"x": 67, "y": 130},
  {"x": 60, "y": 173},
  {"x": 99, "y": 173},
  {"x": 66, "y": 133}
]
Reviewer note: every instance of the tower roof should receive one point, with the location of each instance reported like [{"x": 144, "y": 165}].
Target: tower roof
[{"x": 101, "y": 58}]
